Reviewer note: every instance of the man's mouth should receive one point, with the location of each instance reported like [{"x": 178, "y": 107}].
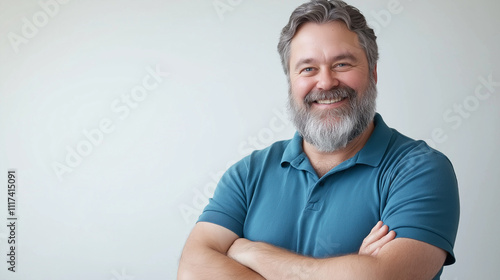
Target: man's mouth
[{"x": 329, "y": 101}]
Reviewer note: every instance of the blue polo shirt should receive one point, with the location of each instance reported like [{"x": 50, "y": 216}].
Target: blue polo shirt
[{"x": 275, "y": 196}]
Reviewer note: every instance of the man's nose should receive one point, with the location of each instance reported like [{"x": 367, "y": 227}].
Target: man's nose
[{"x": 327, "y": 79}]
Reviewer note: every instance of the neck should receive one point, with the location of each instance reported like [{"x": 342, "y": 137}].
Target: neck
[{"x": 322, "y": 162}]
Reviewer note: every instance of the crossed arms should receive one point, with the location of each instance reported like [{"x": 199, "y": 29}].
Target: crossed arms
[{"x": 214, "y": 252}]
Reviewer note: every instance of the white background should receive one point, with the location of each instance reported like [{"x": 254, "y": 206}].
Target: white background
[{"x": 124, "y": 208}]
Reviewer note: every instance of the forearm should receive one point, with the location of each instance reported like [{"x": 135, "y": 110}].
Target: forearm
[
  {"x": 205, "y": 263},
  {"x": 399, "y": 259},
  {"x": 275, "y": 263}
]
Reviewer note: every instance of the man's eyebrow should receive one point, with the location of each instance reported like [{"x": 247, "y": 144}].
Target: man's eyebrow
[
  {"x": 343, "y": 56},
  {"x": 303, "y": 61}
]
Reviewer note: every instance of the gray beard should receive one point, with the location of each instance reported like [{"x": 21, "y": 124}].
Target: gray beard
[{"x": 332, "y": 130}]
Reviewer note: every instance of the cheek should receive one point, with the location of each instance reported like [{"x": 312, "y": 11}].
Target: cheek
[
  {"x": 301, "y": 87},
  {"x": 357, "y": 81}
]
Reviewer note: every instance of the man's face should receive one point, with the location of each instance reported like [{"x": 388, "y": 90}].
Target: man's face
[{"x": 332, "y": 94}]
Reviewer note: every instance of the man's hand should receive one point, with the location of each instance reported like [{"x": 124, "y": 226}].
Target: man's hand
[{"x": 376, "y": 239}]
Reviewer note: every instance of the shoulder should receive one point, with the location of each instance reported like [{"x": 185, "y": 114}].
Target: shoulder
[
  {"x": 405, "y": 152},
  {"x": 411, "y": 166},
  {"x": 268, "y": 159},
  {"x": 276, "y": 149},
  {"x": 273, "y": 153}
]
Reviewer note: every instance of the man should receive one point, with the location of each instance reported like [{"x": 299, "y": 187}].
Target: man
[{"x": 347, "y": 197}]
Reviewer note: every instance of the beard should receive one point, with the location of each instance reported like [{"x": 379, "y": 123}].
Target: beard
[{"x": 331, "y": 130}]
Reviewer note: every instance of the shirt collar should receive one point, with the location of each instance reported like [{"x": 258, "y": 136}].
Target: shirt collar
[
  {"x": 374, "y": 149},
  {"x": 371, "y": 154}
]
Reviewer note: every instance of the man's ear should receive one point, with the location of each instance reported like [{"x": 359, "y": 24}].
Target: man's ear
[{"x": 375, "y": 73}]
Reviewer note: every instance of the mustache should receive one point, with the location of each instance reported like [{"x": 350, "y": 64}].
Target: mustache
[{"x": 340, "y": 92}]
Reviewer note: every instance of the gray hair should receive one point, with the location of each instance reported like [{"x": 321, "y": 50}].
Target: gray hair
[{"x": 323, "y": 11}]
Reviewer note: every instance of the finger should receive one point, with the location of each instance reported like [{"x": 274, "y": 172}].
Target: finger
[
  {"x": 382, "y": 242},
  {"x": 373, "y": 240},
  {"x": 377, "y": 245},
  {"x": 377, "y": 233},
  {"x": 376, "y": 227}
]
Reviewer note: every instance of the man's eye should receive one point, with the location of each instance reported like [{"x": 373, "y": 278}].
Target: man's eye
[
  {"x": 342, "y": 65},
  {"x": 308, "y": 69}
]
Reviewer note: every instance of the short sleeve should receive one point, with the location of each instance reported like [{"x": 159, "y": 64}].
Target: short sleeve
[
  {"x": 228, "y": 206},
  {"x": 422, "y": 201}
]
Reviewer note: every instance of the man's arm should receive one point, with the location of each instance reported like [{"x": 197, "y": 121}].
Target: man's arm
[
  {"x": 401, "y": 258},
  {"x": 204, "y": 255}
]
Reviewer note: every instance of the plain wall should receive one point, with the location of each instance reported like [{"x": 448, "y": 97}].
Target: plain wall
[{"x": 120, "y": 116}]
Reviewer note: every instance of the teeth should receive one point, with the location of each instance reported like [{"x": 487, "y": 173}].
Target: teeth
[{"x": 329, "y": 101}]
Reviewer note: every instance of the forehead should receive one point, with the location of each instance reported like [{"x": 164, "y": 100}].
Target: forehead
[{"x": 324, "y": 41}]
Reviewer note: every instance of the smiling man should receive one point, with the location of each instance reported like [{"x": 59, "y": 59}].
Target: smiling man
[{"x": 347, "y": 197}]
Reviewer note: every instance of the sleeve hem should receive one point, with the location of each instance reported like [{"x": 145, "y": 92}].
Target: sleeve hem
[
  {"x": 428, "y": 237},
  {"x": 222, "y": 220}
]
